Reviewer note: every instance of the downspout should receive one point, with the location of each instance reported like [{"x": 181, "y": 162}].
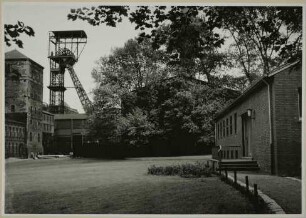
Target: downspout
[{"x": 273, "y": 161}]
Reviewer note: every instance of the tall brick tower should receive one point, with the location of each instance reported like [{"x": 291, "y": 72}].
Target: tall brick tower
[{"x": 24, "y": 96}]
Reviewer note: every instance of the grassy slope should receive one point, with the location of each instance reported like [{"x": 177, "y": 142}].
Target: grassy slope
[{"x": 96, "y": 186}]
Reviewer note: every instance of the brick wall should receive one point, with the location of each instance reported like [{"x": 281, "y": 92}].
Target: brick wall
[
  {"x": 260, "y": 138},
  {"x": 287, "y": 125}
]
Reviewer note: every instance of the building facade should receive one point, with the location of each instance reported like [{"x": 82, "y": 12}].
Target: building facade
[
  {"x": 69, "y": 132},
  {"x": 15, "y": 139},
  {"x": 24, "y": 94},
  {"x": 264, "y": 123},
  {"x": 47, "y": 132}
]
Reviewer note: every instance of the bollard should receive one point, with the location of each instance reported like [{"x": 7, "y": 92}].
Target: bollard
[
  {"x": 235, "y": 177},
  {"x": 247, "y": 183},
  {"x": 255, "y": 191}
]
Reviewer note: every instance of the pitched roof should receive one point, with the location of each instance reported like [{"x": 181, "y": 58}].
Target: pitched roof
[
  {"x": 17, "y": 55},
  {"x": 14, "y": 54},
  {"x": 259, "y": 82}
]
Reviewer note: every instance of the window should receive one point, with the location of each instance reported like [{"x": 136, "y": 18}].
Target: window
[
  {"x": 231, "y": 125},
  {"x": 223, "y": 128},
  {"x": 10, "y": 131},
  {"x": 300, "y": 101},
  {"x": 235, "y": 122},
  {"x": 9, "y": 147},
  {"x": 227, "y": 127},
  {"x": 30, "y": 136},
  {"x": 12, "y": 108}
]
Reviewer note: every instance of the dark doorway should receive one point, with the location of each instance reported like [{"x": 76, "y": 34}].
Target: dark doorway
[{"x": 246, "y": 135}]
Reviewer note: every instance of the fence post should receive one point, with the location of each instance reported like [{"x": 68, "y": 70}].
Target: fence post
[
  {"x": 247, "y": 183},
  {"x": 235, "y": 177},
  {"x": 255, "y": 191}
]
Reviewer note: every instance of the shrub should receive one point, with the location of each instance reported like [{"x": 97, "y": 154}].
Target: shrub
[{"x": 198, "y": 169}]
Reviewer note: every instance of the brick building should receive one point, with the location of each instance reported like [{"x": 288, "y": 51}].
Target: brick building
[
  {"x": 47, "y": 132},
  {"x": 24, "y": 95},
  {"x": 15, "y": 139},
  {"x": 264, "y": 123},
  {"x": 70, "y": 131}
]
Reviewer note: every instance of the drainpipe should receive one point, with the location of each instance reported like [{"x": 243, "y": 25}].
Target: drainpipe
[{"x": 273, "y": 161}]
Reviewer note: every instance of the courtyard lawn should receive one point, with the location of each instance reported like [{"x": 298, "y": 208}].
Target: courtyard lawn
[{"x": 83, "y": 186}]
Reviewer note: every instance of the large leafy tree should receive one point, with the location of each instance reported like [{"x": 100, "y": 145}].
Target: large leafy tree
[
  {"x": 188, "y": 40},
  {"x": 263, "y": 36},
  {"x": 131, "y": 67}
]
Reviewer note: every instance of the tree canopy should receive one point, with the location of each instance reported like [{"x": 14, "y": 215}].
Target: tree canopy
[{"x": 262, "y": 36}]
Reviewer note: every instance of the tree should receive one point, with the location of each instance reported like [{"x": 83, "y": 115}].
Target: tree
[
  {"x": 131, "y": 67},
  {"x": 273, "y": 34},
  {"x": 136, "y": 129},
  {"x": 12, "y": 33}
]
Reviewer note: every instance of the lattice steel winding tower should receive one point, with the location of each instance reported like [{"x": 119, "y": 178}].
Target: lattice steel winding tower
[{"x": 65, "y": 48}]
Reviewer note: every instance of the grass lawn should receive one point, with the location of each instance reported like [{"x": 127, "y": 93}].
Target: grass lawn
[
  {"x": 89, "y": 186},
  {"x": 286, "y": 192}
]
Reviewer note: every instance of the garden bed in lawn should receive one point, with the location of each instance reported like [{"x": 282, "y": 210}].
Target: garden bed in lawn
[{"x": 88, "y": 186}]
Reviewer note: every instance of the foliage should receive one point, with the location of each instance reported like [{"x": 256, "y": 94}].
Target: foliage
[
  {"x": 273, "y": 34},
  {"x": 263, "y": 37},
  {"x": 198, "y": 169},
  {"x": 135, "y": 128},
  {"x": 12, "y": 33},
  {"x": 130, "y": 67}
]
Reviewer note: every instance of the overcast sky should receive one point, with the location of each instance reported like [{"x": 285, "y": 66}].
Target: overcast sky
[{"x": 45, "y": 17}]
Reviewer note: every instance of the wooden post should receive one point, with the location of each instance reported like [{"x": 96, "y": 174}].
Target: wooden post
[
  {"x": 235, "y": 177},
  {"x": 247, "y": 183},
  {"x": 255, "y": 191}
]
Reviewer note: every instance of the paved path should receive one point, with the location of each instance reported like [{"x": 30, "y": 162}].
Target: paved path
[{"x": 285, "y": 191}]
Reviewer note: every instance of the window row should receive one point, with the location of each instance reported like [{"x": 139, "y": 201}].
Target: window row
[
  {"x": 227, "y": 126},
  {"x": 12, "y": 148},
  {"x": 48, "y": 118},
  {"x": 47, "y": 127},
  {"x": 14, "y": 132}
]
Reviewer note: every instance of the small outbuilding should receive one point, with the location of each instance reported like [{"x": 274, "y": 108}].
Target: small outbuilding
[{"x": 265, "y": 123}]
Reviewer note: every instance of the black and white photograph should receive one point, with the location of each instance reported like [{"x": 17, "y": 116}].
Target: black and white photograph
[{"x": 152, "y": 108}]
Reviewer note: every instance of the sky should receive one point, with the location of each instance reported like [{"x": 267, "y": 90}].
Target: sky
[{"x": 45, "y": 17}]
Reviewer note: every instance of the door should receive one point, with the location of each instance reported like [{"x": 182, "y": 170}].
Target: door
[{"x": 246, "y": 135}]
